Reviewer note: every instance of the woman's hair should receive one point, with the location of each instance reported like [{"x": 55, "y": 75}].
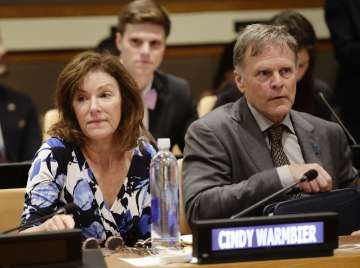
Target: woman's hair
[
  {"x": 225, "y": 68},
  {"x": 70, "y": 80},
  {"x": 298, "y": 26},
  {"x": 303, "y": 31}
]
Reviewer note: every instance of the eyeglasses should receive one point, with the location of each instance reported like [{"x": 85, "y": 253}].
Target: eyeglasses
[{"x": 115, "y": 244}]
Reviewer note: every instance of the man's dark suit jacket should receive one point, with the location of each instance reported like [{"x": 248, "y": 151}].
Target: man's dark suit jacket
[
  {"x": 343, "y": 20},
  {"x": 174, "y": 110},
  {"x": 227, "y": 164},
  {"x": 19, "y": 125}
]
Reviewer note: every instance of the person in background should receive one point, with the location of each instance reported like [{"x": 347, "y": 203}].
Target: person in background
[
  {"x": 227, "y": 90},
  {"x": 343, "y": 21},
  {"x": 244, "y": 151},
  {"x": 224, "y": 89},
  {"x": 342, "y": 18},
  {"x": 20, "y": 133},
  {"x": 92, "y": 158},
  {"x": 108, "y": 45},
  {"x": 141, "y": 39},
  {"x": 308, "y": 86},
  {"x": 225, "y": 71}
]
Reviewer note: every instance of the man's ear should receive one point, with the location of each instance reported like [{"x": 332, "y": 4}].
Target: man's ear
[
  {"x": 239, "y": 80},
  {"x": 118, "y": 40}
]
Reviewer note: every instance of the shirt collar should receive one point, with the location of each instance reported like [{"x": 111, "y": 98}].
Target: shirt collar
[
  {"x": 265, "y": 123},
  {"x": 148, "y": 87}
]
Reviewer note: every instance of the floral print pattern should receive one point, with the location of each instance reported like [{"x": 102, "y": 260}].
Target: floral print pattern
[{"x": 60, "y": 175}]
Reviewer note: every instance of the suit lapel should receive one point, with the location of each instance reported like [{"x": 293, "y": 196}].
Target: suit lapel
[
  {"x": 254, "y": 142},
  {"x": 309, "y": 142},
  {"x": 251, "y": 136}
]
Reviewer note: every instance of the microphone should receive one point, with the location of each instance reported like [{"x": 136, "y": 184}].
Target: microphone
[
  {"x": 355, "y": 147},
  {"x": 70, "y": 208},
  {"x": 337, "y": 118},
  {"x": 141, "y": 142},
  {"x": 308, "y": 176}
]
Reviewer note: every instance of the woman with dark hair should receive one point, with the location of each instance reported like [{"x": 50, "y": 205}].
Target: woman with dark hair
[
  {"x": 224, "y": 89},
  {"x": 92, "y": 158},
  {"x": 308, "y": 87}
]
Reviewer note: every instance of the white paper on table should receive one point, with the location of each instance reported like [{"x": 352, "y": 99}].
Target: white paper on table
[
  {"x": 145, "y": 261},
  {"x": 179, "y": 257},
  {"x": 349, "y": 247}
]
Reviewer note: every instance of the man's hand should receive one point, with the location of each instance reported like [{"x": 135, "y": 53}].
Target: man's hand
[{"x": 322, "y": 183}]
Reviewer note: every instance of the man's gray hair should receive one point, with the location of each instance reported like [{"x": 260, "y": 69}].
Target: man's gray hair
[{"x": 257, "y": 37}]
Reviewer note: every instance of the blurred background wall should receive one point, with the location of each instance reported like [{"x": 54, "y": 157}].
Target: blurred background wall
[{"x": 43, "y": 35}]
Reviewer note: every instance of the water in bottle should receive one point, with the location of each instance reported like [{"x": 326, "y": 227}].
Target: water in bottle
[{"x": 164, "y": 186}]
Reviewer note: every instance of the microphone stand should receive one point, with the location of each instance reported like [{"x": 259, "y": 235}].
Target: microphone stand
[
  {"x": 337, "y": 118},
  {"x": 263, "y": 201},
  {"x": 308, "y": 176},
  {"x": 355, "y": 147}
]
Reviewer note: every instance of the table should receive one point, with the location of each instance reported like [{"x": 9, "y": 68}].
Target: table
[{"x": 342, "y": 258}]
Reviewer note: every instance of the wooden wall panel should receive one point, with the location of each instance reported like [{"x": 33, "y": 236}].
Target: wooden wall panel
[
  {"x": 54, "y": 8},
  {"x": 172, "y": 52},
  {"x": 36, "y": 72}
]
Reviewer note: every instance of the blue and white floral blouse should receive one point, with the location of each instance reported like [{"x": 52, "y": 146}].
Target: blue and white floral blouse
[{"x": 60, "y": 175}]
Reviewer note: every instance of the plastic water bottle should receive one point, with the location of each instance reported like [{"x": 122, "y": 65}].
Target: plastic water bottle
[{"x": 164, "y": 187}]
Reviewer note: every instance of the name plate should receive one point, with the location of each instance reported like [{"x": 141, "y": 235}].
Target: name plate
[
  {"x": 42, "y": 249},
  {"x": 254, "y": 238}
]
